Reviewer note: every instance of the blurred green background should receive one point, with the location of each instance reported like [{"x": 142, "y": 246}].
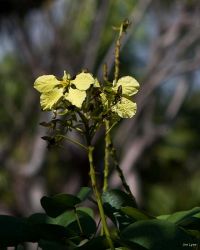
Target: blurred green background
[{"x": 158, "y": 149}]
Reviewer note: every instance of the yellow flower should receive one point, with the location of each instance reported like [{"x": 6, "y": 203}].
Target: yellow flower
[
  {"x": 82, "y": 82},
  {"x": 52, "y": 90},
  {"x": 125, "y": 107}
]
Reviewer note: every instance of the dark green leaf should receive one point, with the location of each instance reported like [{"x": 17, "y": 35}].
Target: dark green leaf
[
  {"x": 98, "y": 243},
  {"x": 117, "y": 199},
  {"x": 50, "y": 232},
  {"x": 87, "y": 223},
  {"x": 156, "y": 235},
  {"x": 51, "y": 245},
  {"x": 58, "y": 204},
  {"x": 69, "y": 221},
  {"x": 86, "y": 210},
  {"x": 84, "y": 193},
  {"x": 113, "y": 200},
  {"x": 63, "y": 219},
  {"x": 189, "y": 219},
  {"x": 135, "y": 213},
  {"x": 15, "y": 230},
  {"x": 37, "y": 218}
]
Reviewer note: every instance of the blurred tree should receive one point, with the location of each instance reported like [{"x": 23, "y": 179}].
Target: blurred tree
[{"x": 12, "y": 7}]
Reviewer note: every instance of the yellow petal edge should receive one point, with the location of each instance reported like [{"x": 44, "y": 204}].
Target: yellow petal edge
[
  {"x": 129, "y": 85},
  {"x": 46, "y": 83}
]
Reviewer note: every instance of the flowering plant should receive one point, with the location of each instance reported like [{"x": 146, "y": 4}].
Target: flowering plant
[{"x": 84, "y": 104}]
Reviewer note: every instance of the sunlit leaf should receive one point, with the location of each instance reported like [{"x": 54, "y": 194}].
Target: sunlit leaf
[
  {"x": 129, "y": 85},
  {"x": 83, "y": 81},
  {"x": 46, "y": 83},
  {"x": 125, "y": 108},
  {"x": 76, "y": 97},
  {"x": 49, "y": 99}
]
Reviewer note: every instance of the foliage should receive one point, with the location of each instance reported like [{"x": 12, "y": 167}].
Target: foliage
[{"x": 76, "y": 228}]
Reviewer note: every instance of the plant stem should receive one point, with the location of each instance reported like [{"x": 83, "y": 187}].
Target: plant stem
[
  {"x": 120, "y": 173},
  {"x": 105, "y": 72},
  {"x": 85, "y": 122},
  {"x": 74, "y": 141},
  {"x": 121, "y": 29},
  {"x": 78, "y": 221},
  {"x": 106, "y": 155},
  {"x": 117, "y": 51},
  {"x": 98, "y": 197}
]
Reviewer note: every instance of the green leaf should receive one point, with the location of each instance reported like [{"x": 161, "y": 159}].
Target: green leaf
[
  {"x": 15, "y": 230},
  {"x": 46, "y": 83},
  {"x": 87, "y": 223},
  {"x": 83, "y": 81},
  {"x": 189, "y": 219},
  {"x": 156, "y": 235},
  {"x": 129, "y": 85},
  {"x": 50, "y": 232},
  {"x": 69, "y": 221},
  {"x": 194, "y": 233},
  {"x": 76, "y": 97},
  {"x": 39, "y": 224},
  {"x": 86, "y": 210},
  {"x": 135, "y": 213},
  {"x": 117, "y": 199},
  {"x": 125, "y": 108},
  {"x": 51, "y": 245},
  {"x": 37, "y": 218},
  {"x": 121, "y": 248},
  {"x": 58, "y": 204},
  {"x": 98, "y": 243},
  {"x": 132, "y": 245},
  {"x": 113, "y": 200},
  {"x": 84, "y": 193}
]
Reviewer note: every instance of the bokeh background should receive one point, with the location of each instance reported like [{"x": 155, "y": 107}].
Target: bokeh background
[{"x": 158, "y": 149}]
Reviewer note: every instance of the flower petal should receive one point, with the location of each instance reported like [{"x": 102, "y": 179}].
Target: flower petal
[
  {"x": 83, "y": 81},
  {"x": 49, "y": 99},
  {"x": 96, "y": 83},
  {"x": 76, "y": 97},
  {"x": 129, "y": 85},
  {"x": 46, "y": 83},
  {"x": 125, "y": 108}
]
